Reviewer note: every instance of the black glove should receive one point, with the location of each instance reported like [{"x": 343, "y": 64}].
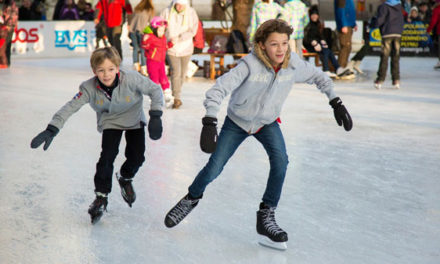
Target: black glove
[
  {"x": 155, "y": 124},
  {"x": 208, "y": 138},
  {"x": 45, "y": 136},
  {"x": 341, "y": 114}
]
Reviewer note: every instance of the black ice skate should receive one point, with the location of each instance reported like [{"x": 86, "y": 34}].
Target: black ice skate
[
  {"x": 272, "y": 235},
  {"x": 180, "y": 210},
  {"x": 127, "y": 190},
  {"x": 97, "y": 208}
]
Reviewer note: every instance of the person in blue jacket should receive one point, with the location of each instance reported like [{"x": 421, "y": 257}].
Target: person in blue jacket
[
  {"x": 259, "y": 86},
  {"x": 345, "y": 16}
]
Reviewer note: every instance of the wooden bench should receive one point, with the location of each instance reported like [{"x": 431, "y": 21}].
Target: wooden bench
[
  {"x": 315, "y": 55},
  {"x": 219, "y": 58}
]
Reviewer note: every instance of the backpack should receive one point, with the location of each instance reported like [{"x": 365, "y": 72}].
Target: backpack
[
  {"x": 218, "y": 44},
  {"x": 236, "y": 42}
]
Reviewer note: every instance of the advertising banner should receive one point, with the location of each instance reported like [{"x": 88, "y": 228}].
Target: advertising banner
[
  {"x": 53, "y": 39},
  {"x": 415, "y": 40}
]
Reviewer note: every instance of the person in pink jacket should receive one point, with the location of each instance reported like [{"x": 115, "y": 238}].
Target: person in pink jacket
[{"x": 155, "y": 47}]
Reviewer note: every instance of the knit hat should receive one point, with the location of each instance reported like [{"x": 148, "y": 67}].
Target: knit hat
[
  {"x": 158, "y": 21},
  {"x": 313, "y": 10},
  {"x": 414, "y": 8}
]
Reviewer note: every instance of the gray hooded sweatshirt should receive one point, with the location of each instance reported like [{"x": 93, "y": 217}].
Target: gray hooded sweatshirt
[
  {"x": 258, "y": 93},
  {"x": 125, "y": 108}
]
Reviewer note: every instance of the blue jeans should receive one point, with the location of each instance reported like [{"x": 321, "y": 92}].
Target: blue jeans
[
  {"x": 325, "y": 55},
  {"x": 136, "y": 40},
  {"x": 231, "y": 136}
]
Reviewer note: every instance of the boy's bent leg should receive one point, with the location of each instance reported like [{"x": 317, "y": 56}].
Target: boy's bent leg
[
  {"x": 104, "y": 168},
  {"x": 134, "y": 152},
  {"x": 273, "y": 142},
  {"x": 229, "y": 139}
]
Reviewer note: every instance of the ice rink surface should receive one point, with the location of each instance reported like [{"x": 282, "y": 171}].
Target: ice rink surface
[{"x": 371, "y": 195}]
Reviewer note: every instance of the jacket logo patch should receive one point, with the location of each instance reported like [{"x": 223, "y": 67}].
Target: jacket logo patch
[
  {"x": 78, "y": 95},
  {"x": 127, "y": 99},
  {"x": 100, "y": 102}
]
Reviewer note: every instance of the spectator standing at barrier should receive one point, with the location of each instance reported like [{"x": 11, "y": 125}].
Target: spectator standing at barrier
[
  {"x": 88, "y": 13},
  {"x": 345, "y": 16},
  {"x": 295, "y": 13},
  {"x": 435, "y": 23},
  {"x": 26, "y": 12},
  {"x": 112, "y": 10},
  {"x": 143, "y": 13},
  {"x": 182, "y": 27},
  {"x": 389, "y": 20},
  {"x": 69, "y": 11},
  {"x": 10, "y": 20},
  {"x": 262, "y": 11}
]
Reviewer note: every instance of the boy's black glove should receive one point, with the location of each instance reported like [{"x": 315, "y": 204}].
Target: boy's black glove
[
  {"x": 45, "y": 136},
  {"x": 341, "y": 114},
  {"x": 155, "y": 124},
  {"x": 208, "y": 138}
]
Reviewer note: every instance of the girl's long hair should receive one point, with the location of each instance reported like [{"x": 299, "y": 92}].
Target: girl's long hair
[{"x": 145, "y": 5}]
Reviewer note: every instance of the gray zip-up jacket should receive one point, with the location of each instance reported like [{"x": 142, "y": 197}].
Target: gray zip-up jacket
[
  {"x": 258, "y": 93},
  {"x": 125, "y": 109}
]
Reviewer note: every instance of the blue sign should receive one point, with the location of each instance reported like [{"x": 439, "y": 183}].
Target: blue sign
[{"x": 70, "y": 39}]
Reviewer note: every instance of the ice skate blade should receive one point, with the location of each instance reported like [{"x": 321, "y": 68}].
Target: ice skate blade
[{"x": 266, "y": 242}]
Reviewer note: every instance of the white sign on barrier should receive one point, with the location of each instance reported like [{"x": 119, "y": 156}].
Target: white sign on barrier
[{"x": 53, "y": 39}]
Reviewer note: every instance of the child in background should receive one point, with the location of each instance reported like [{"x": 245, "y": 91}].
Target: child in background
[
  {"x": 3, "y": 35},
  {"x": 117, "y": 97},
  {"x": 155, "y": 45}
]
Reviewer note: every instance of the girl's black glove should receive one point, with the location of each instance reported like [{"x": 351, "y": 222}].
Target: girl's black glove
[
  {"x": 341, "y": 114},
  {"x": 155, "y": 124},
  {"x": 208, "y": 138},
  {"x": 45, "y": 136}
]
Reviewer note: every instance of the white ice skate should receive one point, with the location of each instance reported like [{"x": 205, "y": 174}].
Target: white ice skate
[{"x": 169, "y": 98}]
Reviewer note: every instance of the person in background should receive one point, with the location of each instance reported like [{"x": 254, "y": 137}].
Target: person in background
[
  {"x": 113, "y": 13},
  {"x": 155, "y": 46},
  {"x": 425, "y": 13},
  {"x": 25, "y": 12},
  {"x": 295, "y": 13},
  {"x": 88, "y": 13},
  {"x": 199, "y": 39},
  {"x": 413, "y": 16},
  {"x": 345, "y": 16},
  {"x": 69, "y": 11},
  {"x": 389, "y": 20},
  {"x": 435, "y": 24},
  {"x": 182, "y": 27},
  {"x": 262, "y": 11},
  {"x": 138, "y": 21},
  {"x": 3, "y": 35},
  {"x": 10, "y": 14},
  {"x": 314, "y": 41}
]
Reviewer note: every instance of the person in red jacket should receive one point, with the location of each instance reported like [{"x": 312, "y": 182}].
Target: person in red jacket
[
  {"x": 155, "y": 45},
  {"x": 113, "y": 17},
  {"x": 199, "y": 39},
  {"x": 435, "y": 23}
]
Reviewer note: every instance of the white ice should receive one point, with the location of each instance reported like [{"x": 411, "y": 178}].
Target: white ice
[{"x": 371, "y": 195}]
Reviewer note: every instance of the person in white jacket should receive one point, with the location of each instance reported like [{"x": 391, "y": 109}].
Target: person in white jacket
[{"x": 182, "y": 27}]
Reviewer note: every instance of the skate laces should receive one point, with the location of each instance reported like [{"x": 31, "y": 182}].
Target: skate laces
[
  {"x": 269, "y": 221},
  {"x": 182, "y": 209}
]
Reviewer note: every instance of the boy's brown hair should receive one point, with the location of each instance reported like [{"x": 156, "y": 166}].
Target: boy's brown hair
[
  {"x": 101, "y": 54},
  {"x": 270, "y": 26}
]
